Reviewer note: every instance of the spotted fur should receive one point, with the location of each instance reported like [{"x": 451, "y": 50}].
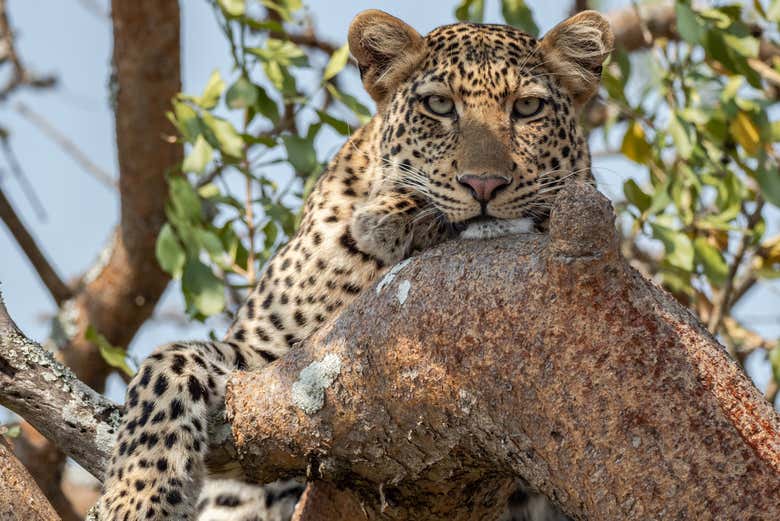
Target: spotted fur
[{"x": 408, "y": 180}]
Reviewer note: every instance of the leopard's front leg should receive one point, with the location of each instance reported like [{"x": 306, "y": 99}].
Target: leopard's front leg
[{"x": 157, "y": 467}]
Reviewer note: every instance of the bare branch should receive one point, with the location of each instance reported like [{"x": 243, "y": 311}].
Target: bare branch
[
  {"x": 21, "y": 76},
  {"x": 722, "y": 304},
  {"x": 66, "y": 144},
  {"x": 94, "y": 8},
  {"x": 57, "y": 288}
]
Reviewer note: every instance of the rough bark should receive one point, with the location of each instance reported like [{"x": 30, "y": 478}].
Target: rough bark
[
  {"x": 20, "y": 497},
  {"x": 549, "y": 359},
  {"x": 50, "y": 397},
  {"x": 544, "y": 358}
]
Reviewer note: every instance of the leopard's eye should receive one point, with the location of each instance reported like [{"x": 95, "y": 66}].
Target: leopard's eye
[
  {"x": 527, "y": 107},
  {"x": 439, "y": 105}
]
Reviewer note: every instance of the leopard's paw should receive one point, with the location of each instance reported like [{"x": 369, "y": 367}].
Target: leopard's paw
[{"x": 383, "y": 235}]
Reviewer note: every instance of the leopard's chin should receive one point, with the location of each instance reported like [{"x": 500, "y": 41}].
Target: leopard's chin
[{"x": 490, "y": 227}]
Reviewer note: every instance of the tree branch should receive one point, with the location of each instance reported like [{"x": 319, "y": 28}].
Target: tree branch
[
  {"x": 20, "y": 497},
  {"x": 566, "y": 369},
  {"x": 50, "y": 397},
  {"x": 20, "y": 76},
  {"x": 81, "y": 422},
  {"x": 57, "y": 288},
  {"x": 549, "y": 359}
]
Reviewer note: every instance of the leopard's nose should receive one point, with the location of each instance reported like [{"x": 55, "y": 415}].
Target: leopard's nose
[{"x": 483, "y": 187}]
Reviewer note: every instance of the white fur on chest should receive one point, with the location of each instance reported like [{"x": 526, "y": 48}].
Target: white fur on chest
[{"x": 490, "y": 229}]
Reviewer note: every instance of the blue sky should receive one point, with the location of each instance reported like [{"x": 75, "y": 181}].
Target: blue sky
[{"x": 74, "y": 43}]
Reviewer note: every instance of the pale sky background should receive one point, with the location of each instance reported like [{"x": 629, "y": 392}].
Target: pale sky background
[{"x": 65, "y": 38}]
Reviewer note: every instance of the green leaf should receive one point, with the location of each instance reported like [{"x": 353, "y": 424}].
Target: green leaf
[
  {"x": 11, "y": 431},
  {"x": 283, "y": 52},
  {"x": 681, "y": 136},
  {"x": 360, "y": 110},
  {"x": 337, "y": 62},
  {"x": 280, "y": 78},
  {"x": 233, "y": 8},
  {"x": 208, "y": 191},
  {"x": 212, "y": 244},
  {"x": 199, "y": 156},
  {"x": 712, "y": 260},
  {"x": 636, "y": 196},
  {"x": 184, "y": 199},
  {"x": 266, "y": 106},
  {"x": 745, "y": 131},
  {"x": 208, "y": 100},
  {"x": 285, "y": 8},
  {"x": 688, "y": 24},
  {"x": 517, "y": 13},
  {"x": 242, "y": 94},
  {"x": 746, "y": 45},
  {"x": 203, "y": 290},
  {"x": 301, "y": 153},
  {"x": 170, "y": 255},
  {"x": 635, "y": 145},
  {"x": 773, "y": 15},
  {"x": 769, "y": 181},
  {"x": 774, "y": 361},
  {"x": 470, "y": 11},
  {"x": 114, "y": 356},
  {"x": 271, "y": 232},
  {"x": 679, "y": 250},
  {"x": 227, "y": 137},
  {"x": 186, "y": 120},
  {"x": 342, "y": 127}
]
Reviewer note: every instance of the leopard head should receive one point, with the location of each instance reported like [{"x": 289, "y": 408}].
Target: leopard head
[{"x": 481, "y": 121}]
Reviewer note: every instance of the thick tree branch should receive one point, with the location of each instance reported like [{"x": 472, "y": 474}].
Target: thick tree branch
[
  {"x": 20, "y": 497},
  {"x": 543, "y": 358},
  {"x": 550, "y": 359},
  {"x": 50, "y": 397},
  {"x": 59, "y": 291}
]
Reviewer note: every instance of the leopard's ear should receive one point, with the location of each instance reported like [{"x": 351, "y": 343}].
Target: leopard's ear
[
  {"x": 575, "y": 50},
  {"x": 386, "y": 50}
]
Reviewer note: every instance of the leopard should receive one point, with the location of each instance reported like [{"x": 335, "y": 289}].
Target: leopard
[{"x": 476, "y": 129}]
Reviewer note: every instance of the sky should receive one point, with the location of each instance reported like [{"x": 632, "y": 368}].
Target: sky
[{"x": 73, "y": 42}]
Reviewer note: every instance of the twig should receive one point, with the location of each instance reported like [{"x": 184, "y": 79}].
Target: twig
[
  {"x": 21, "y": 178},
  {"x": 95, "y": 8},
  {"x": 21, "y": 77},
  {"x": 66, "y": 144},
  {"x": 722, "y": 304},
  {"x": 58, "y": 289}
]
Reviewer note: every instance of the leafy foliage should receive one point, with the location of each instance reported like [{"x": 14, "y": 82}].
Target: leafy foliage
[{"x": 251, "y": 151}]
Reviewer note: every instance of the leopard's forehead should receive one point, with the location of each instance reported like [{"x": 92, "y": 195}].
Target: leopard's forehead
[
  {"x": 479, "y": 61},
  {"x": 481, "y": 43}
]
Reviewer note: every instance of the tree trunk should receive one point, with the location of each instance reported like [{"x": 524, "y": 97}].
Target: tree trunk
[
  {"x": 542, "y": 358},
  {"x": 20, "y": 497}
]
